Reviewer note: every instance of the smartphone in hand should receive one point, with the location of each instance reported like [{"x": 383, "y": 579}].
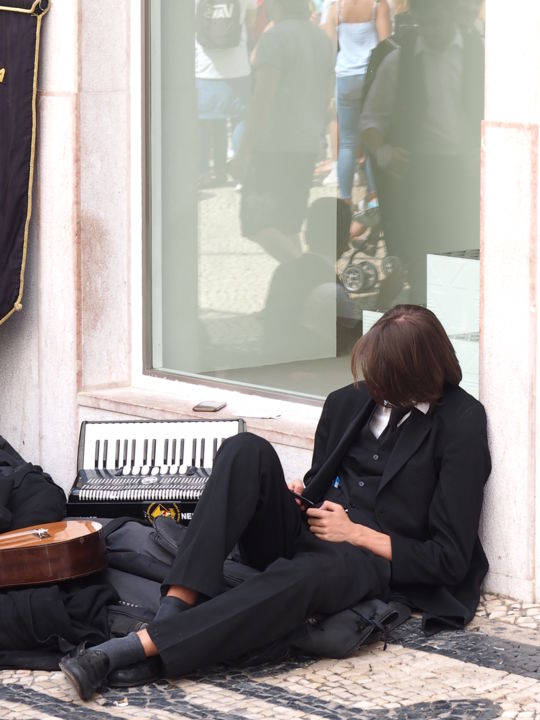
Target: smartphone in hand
[{"x": 306, "y": 502}]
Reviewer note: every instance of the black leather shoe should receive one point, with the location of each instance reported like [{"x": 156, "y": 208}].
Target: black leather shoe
[
  {"x": 87, "y": 671},
  {"x": 147, "y": 671}
]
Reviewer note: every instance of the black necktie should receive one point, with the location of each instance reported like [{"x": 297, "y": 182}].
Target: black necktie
[{"x": 396, "y": 414}]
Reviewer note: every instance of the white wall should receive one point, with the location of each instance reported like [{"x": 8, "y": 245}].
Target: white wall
[{"x": 509, "y": 318}]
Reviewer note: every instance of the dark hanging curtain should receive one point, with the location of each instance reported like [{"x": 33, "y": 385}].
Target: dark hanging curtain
[{"x": 20, "y": 25}]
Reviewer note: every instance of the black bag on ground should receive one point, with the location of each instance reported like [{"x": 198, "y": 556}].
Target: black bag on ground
[
  {"x": 28, "y": 495},
  {"x": 342, "y": 634},
  {"x": 138, "y": 558}
]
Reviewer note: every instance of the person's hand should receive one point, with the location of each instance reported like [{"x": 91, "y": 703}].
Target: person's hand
[
  {"x": 330, "y": 522},
  {"x": 297, "y": 486},
  {"x": 394, "y": 160}
]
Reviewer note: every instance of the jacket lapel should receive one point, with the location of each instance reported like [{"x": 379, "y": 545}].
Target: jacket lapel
[
  {"x": 327, "y": 473},
  {"x": 359, "y": 420},
  {"x": 411, "y": 437}
]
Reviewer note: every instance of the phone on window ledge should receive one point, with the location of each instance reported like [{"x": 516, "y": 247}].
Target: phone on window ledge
[{"x": 209, "y": 406}]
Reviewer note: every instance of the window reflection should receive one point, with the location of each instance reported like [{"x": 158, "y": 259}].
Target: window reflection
[
  {"x": 421, "y": 124},
  {"x": 330, "y": 148}
]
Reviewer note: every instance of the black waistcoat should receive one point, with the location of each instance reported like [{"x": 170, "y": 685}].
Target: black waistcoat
[{"x": 360, "y": 474}]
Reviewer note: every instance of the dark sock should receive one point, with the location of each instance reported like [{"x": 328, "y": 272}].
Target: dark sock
[
  {"x": 170, "y": 606},
  {"x": 122, "y": 651}
]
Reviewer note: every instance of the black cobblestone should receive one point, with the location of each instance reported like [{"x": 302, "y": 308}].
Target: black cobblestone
[
  {"x": 47, "y": 705},
  {"x": 476, "y": 648},
  {"x": 164, "y": 696}
]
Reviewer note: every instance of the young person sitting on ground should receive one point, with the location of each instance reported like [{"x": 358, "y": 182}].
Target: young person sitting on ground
[{"x": 399, "y": 465}]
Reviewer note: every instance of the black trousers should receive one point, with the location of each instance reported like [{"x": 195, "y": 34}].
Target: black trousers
[{"x": 246, "y": 502}]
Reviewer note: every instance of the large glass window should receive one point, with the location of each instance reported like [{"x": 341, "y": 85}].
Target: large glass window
[{"x": 293, "y": 195}]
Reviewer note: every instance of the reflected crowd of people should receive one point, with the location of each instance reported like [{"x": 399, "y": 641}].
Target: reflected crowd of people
[{"x": 376, "y": 105}]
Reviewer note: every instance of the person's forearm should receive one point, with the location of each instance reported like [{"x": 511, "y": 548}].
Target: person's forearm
[
  {"x": 379, "y": 543},
  {"x": 383, "y": 20}
]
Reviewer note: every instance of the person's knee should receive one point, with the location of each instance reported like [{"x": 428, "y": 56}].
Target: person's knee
[
  {"x": 248, "y": 455},
  {"x": 247, "y": 445},
  {"x": 246, "y": 441}
]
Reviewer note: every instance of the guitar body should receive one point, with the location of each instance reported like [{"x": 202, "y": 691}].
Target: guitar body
[{"x": 51, "y": 552}]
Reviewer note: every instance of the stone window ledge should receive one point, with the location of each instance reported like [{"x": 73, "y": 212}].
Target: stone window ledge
[{"x": 280, "y": 422}]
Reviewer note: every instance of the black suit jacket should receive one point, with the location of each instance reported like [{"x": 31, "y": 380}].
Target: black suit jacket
[{"x": 429, "y": 499}]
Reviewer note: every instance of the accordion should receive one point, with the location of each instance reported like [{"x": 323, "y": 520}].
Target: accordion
[{"x": 142, "y": 468}]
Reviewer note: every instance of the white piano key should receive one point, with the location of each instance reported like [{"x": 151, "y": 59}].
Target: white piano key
[{"x": 208, "y": 456}]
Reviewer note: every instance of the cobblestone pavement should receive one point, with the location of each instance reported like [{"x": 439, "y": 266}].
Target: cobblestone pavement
[{"x": 488, "y": 671}]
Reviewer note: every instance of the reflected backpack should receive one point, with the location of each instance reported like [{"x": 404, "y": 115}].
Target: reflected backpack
[{"x": 218, "y": 24}]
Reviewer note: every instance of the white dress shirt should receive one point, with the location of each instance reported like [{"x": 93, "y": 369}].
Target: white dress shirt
[{"x": 381, "y": 416}]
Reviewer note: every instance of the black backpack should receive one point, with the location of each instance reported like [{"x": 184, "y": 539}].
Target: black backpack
[
  {"x": 28, "y": 495},
  {"x": 218, "y": 24}
]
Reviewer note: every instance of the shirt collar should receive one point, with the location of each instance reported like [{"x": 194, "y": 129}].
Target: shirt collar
[{"x": 422, "y": 406}]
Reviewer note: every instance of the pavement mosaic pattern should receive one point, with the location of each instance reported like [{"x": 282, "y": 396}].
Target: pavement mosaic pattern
[{"x": 491, "y": 670}]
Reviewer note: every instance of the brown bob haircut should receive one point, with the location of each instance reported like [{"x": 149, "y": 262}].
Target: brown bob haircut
[{"x": 406, "y": 357}]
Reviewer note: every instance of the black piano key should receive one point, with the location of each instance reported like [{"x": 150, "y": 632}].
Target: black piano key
[
  {"x": 152, "y": 462},
  {"x": 165, "y": 460},
  {"x": 173, "y": 458},
  {"x": 181, "y": 452},
  {"x": 193, "y": 460},
  {"x": 104, "y": 456},
  {"x": 125, "y": 454},
  {"x": 214, "y": 448},
  {"x": 145, "y": 453},
  {"x": 96, "y": 454},
  {"x": 133, "y": 450},
  {"x": 117, "y": 454},
  {"x": 201, "y": 460}
]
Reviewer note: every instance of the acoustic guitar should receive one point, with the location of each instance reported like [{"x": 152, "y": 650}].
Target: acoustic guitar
[{"x": 51, "y": 552}]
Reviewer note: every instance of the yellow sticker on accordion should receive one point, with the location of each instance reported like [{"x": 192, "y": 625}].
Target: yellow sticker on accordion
[{"x": 155, "y": 509}]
